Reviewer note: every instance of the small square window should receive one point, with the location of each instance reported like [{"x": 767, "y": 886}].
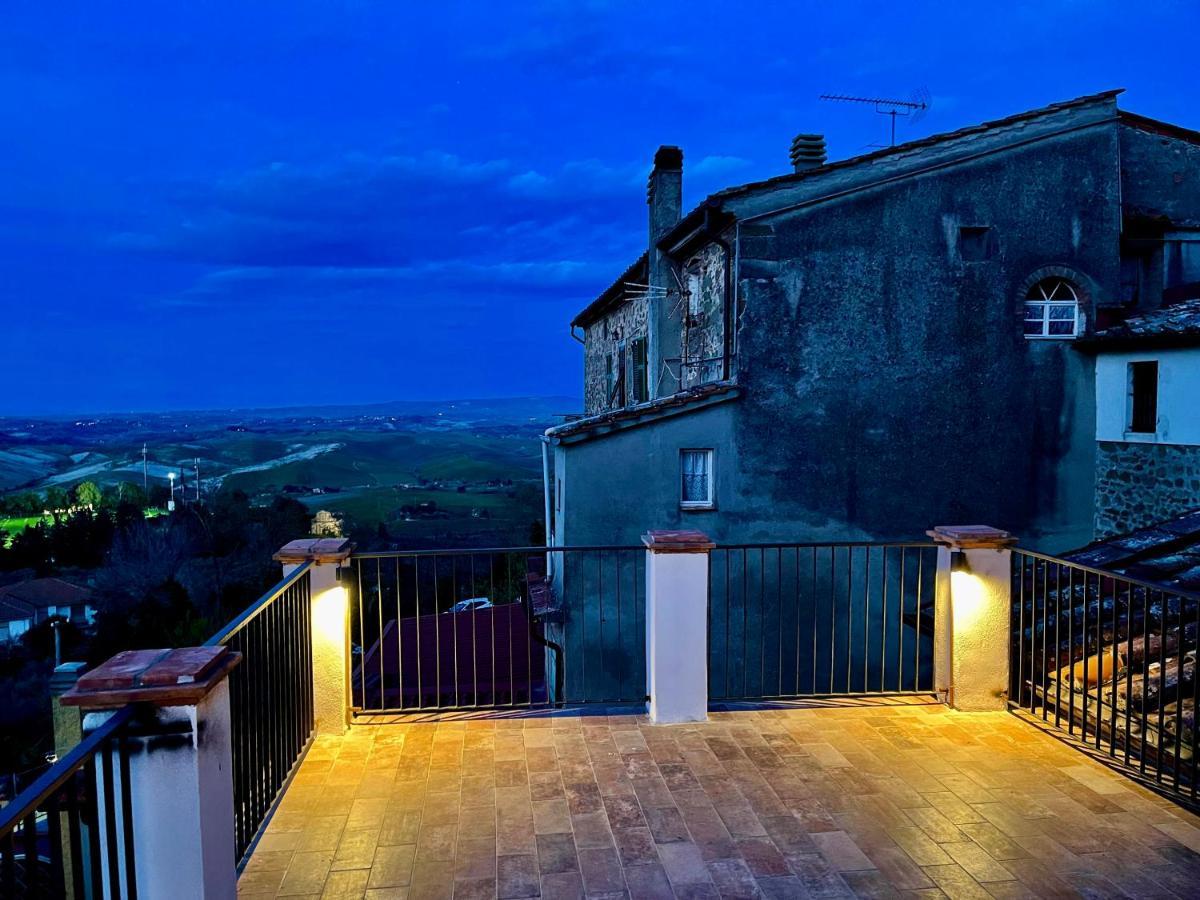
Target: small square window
[
  {"x": 974, "y": 243},
  {"x": 696, "y": 483}
]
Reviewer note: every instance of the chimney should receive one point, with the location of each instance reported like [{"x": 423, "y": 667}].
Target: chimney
[
  {"x": 664, "y": 192},
  {"x": 664, "y": 195},
  {"x": 808, "y": 151}
]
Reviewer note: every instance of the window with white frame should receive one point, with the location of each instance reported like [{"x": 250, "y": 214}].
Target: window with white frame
[
  {"x": 696, "y": 482},
  {"x": 1052, "y": 309}
]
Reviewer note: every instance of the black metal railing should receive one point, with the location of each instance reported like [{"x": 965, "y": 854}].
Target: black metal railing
[
  {"x": 807, "y": 620},
  {"x": 58, "y": 839},
  {"x": 497, "y": 628},
  {"x": 1111, "y": 660},
  {"x": 270, "y": 698}
]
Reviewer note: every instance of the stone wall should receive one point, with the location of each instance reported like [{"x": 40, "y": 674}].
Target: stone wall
[
  {"x": 1138, "y": 484},
  {"x": 603, "y": 337}
]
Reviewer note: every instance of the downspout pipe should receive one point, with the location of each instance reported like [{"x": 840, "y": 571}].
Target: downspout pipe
[
  {"x": 546, "y": 489},
  {"x": 574, "y": 335}
]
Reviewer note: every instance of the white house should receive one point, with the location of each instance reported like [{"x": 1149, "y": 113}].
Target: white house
[
  {"x": 28, "y": 603},
  {"x": 1147, "y": 418}
]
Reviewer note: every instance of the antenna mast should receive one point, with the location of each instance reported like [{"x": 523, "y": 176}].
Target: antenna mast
[{"x": 887, "y": 106}]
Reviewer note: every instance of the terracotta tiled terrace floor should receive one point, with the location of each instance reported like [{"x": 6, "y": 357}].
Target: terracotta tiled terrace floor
[{"x": 830, "y": 802}]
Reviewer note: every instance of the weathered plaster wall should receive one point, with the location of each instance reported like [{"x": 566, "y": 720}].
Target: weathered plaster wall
[
  {"x": 1139, "y": 484},
  {"x": 1178, "y": 395},
  {"x": 887, "y": 384},
  {"x": 629, "y": 322},
  {"x": 1160, "y": 176},
  {"x": 624, "y": 484},
  {"x": 702, "y": 338}
]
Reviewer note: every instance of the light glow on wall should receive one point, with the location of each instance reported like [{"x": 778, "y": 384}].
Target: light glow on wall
[
  {"x": 967, "y": 600},
  {"x": 329, "y": 612}
]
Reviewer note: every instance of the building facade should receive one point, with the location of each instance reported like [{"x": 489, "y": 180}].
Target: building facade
[
  {"x": 1148, "y": 418},
  {"x": 833, "y": 353}
]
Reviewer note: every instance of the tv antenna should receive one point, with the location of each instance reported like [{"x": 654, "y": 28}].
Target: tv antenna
[{"x": 887, "y": 106}]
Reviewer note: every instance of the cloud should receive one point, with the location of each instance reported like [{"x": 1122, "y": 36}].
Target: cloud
[{"x": 364, "y": 211}]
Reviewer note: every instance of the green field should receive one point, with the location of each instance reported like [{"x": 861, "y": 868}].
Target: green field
[
  {"x": 483, "y": 474},
  {"x": 20, "y": 523}
]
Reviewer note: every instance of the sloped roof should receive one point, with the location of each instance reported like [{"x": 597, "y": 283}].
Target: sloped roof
[
  {"x": 615, "y": 292},
  {"x": 686, "y": 400},
  {"x": 1167, "y": 553},
  {"x": 17, "y": 600},
  {"x": 1174, "y": 325},
  {"x": 690, "y": 221}
]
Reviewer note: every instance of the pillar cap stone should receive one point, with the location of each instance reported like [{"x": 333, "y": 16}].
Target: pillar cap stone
[
  {"x": 315, "y": 550},
  {"x": 180, "y": 677},
  {"x": 684, "y": 541},
  {"x": 971, "y": 537}
]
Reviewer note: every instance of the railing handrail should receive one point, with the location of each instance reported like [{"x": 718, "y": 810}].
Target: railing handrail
[
  {"x": 29, "y": 800},
  {"x": 479, "y": 551},
  {"x": 251, "y": 612},
  {"x": 1108, "y": 573},
  {"x": 808, "y": 545},
  {"x": 593, "y": 548}
]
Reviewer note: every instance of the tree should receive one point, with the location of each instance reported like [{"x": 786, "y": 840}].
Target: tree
[
  {"x": 57, "y": 500},
  {"x": 87, "y": 495}
]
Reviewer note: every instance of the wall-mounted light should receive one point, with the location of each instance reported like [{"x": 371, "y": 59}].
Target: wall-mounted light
[{"x": 958, "y": 561}]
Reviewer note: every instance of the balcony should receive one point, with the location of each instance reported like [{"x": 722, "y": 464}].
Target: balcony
[
  {"x": 674, "y": 719},
  {"x": 872, "y": 799}
]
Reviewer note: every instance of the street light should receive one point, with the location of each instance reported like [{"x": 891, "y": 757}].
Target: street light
[{"x": 171, "y": 502}]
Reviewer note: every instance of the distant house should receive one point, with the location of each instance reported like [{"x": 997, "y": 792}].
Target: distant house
[
  {"x": 857, "y": 349},
  {"x": 1148, "y": 416},
  {"x": 28, "y": 603}
]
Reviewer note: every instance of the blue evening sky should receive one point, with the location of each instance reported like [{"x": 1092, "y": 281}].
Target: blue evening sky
[{"x": 211, "y": 204}]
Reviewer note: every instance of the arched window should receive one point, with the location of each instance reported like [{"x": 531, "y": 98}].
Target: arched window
[{"x": 1052, "y": 309}]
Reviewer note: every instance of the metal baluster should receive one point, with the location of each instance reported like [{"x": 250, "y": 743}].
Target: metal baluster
[
  {"x": 362, "y": 640},
  {"x": 110, "y": 820},
  {"x": 866, "y": 619},
  {"x": 1086, "y": 689},
  {"x": 884, "y": 632},
  {"x": 454, "y": 598},
  {"x": 1180, "y": 650},
  {"x": 33, "y": 887},
  {"x": 1112, "y": 714},
  {"x": 1162, "y": 682},
  {"x": 474, "y": 647},
  {"x": 849, "y": 614},
  {"x": 779, "y": 621},
  {"x": 917, "y": 641},
  {"x": 130, "y": 845},
  {"x": 71, "y": 791},
  {"x": 1057, "y": 643}
]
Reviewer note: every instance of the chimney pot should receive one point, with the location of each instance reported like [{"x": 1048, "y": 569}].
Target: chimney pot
[
  {"x": 668, "y": 157},
  {"x": 808, "y": 151}
]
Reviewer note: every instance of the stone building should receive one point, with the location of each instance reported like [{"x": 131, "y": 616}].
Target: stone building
[
  {"x": 1148, "y": 416},
  {"x": 860, "y": 349}
]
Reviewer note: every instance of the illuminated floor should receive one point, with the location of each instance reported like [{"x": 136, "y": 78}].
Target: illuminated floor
[{"x": 869, "y": 801}]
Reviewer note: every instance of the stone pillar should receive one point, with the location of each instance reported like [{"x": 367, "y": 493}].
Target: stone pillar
[
  {"x": 972, "y": 611},
  {"x": 677, "y": 626},
  {"x": 68, "y": 731},
  {"x": 330, "y": 612},
  {"x": 68, "y": 722},
  {"x": 180, "y": 768}
]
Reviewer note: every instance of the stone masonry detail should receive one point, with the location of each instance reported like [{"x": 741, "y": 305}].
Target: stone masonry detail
[{"x": 1138, "y": 484}]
